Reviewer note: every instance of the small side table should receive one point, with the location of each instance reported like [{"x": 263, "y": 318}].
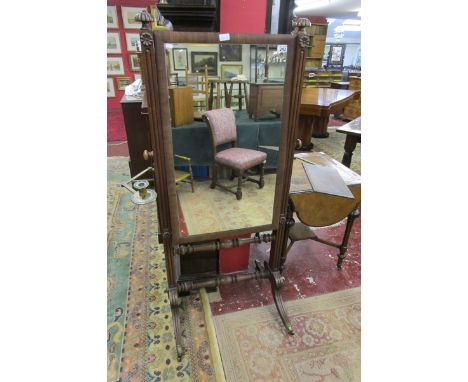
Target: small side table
[{"x": 353, "y": 137}]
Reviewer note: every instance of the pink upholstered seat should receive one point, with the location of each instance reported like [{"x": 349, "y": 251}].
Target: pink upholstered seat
[{"x": 239, "y": 158}]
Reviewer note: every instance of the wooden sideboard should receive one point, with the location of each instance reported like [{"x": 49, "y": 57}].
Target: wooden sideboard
[
  {"x": 181, "y": 100},
  {"x": 353, "y": 109},
  {"x": 264, "y": 98}
]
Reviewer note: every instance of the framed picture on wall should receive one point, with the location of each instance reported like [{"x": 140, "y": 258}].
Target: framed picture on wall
[
  {"x": 180, "y": 58},
  {"x": 110, "y": 88},
  {"x": 113, "y": 42},
  {"x": 128, "y": 16},
  {"x": 112, "y": 21},
  {"x": 135, "y": 62},
  {"x": 133, "y": 42},
  {"x": 230, "y": 52},
  {"x": 115, "y": 66},
  {"x": 336, "y": 55},
  {"x": 122, "y": 82},
  {"x": 200, "y": 59},
  {"x": 230, "y": 71}
]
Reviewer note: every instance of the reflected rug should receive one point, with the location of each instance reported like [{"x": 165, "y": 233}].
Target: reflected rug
[
  {"x": 140, "y": 337},
  {"x": 208, "y": 210},
  {"x": 326, "y": 347}
]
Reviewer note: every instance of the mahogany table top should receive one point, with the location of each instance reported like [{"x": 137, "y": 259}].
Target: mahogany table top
[
  {"x": 351, "y": 128},
  {"x": 320, "y": 101}
]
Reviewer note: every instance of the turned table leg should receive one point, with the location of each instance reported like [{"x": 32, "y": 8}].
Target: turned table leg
[
  {"x": 304, "y": 132},
  {"x": 349, "y": 146},
  {"x": 344, "y": 244},
  {"x": 319, "y": 128}
]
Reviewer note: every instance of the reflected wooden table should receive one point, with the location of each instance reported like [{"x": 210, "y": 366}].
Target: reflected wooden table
[
  {"x": 353, "y": 137},
  {"x": 227, "y": 93},
  {"x": 316, "y": 106},
  {"x": 315, "y": 209}
]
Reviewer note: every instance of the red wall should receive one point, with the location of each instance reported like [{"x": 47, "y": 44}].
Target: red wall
[
  {"x": 243, "y": 16},
  {"x": 115, "y": 123},
  {"x": 237, "y": 16}
]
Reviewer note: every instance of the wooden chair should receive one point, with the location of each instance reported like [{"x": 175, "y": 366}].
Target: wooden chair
[
  {"x": 222, "y": 126},
  {"x": 199, "y": 84},
  {"x": 184, "y": 176}
]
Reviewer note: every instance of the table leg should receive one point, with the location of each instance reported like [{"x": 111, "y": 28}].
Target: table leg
[
  {"x": 218, "y": 95},
  {"x": 320, "y": 125},
  {"x": 227, "y": 96},
  {"x": 246, "y": 97},
  {"x": 304, "y": 132},
  {"x": 210, "y": 101},
  {"x": 344, "y": 245},
  {"x": 240, "y": 96},
  {"x": 349, "y": 146}
]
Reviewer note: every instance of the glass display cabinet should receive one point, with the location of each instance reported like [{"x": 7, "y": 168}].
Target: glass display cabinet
[{"x": 268, "y": 63}]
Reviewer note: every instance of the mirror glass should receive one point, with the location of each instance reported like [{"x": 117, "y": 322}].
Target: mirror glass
[{"x": 213, "y": 147}]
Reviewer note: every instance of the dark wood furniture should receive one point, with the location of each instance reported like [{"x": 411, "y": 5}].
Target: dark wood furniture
[
  {"x": 192, "y": 15},
  {"x": 181, "y": 98},
  {"x": 340, "y": 85},
  {"x": 175, "y": 243},
  {"x": 222, "y": 125},
  {"x": 264, "y": 98},
  {"x": 216, "y": 82},
  {"x": 136, "y": 127},
  {"x": 353, "y": 109},
  {"x": 319, "y": 209},
  {"x": 353, "y": 137},
  {"x": 316, "y": 106}
]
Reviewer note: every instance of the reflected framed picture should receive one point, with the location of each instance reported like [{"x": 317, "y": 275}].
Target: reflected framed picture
[
  {"x": 113, "y": 42},
  {"x": 200, "y": 59},
  {"x": 112, "y": 21},
  {"x": 133, "y": 42},
  {"x": 128, "y": 17},
  {"x": 115, "y": 66},
  {"x": 336, "y": 54},
  {"x": 122, "y": 82},
  {"x": 180, "y": 58},
  {"x": 228, "y": 72},
  {"x": 230, "y": 52},
  {"x": 135, "y": 63},
  {"x": 110, "y": 88}
]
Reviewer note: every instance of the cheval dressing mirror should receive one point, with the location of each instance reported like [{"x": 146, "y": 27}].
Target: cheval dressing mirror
[{"x": 222, "y": 109}]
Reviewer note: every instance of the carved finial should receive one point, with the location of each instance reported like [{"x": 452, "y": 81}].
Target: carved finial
[
  {"x": 299, "y": 24},
  {"x": 145, "y": 18}
]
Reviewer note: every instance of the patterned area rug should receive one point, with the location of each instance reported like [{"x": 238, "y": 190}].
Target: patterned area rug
[
  {"x": 334, "y": 146},
  {"x": 207, "y": 210},
  {"x": 140, "y": 338},
  {"x": 326, "y": 347}
]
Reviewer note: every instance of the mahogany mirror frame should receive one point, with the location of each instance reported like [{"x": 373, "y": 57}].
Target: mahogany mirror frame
[{"x": 155, "y": 76}]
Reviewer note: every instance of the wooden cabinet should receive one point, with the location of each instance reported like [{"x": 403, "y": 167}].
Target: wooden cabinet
[
  {"x": 318, "y": 34},
  {"x": 353, "y": 109},
  {"x": 264, "y": 98},
  {"x": 181, "y": 100},
  {"x": 321, "y": 78}
]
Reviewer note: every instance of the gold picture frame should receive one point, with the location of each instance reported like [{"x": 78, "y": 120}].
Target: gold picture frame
[
  {"x": 229, "y": 71},
  {"x": 122, "y": 82}
]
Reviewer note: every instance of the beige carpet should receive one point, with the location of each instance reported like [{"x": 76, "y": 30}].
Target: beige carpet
[
  {"x": 208, "y": 210},
  {"x": 326, "y": 347}
]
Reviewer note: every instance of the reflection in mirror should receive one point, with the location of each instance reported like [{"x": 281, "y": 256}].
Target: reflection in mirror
[{"x": 226, "y": 102}]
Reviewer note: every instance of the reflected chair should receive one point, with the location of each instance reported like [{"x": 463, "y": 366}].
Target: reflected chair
[
  {"x": 182, "y": 176},
  {"x": 222, "y": 126},
  {"x": 199, "y": 84}
]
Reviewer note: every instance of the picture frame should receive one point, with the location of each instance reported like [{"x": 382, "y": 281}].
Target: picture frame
[
  {"x": 200, "y": 59},
  {"x": 180, "y": 58},
  {"x": 110, "y": 88},
  {"x": 137, "y": 76},
  {"x": 230, "y": 71},
  {"x": 115, "y": 66},
  {"x": 122, "y": 82},
  {"x": 128, "y": 17},
  {"x": 133, "y": 42},
  {"x": 113, "y": 42},
  {"x": 336, "y": 55},
  {"x": 112, "y": 20},
  {"x": 230, "y": 52},
  {"x": 134, "y": 62}
]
